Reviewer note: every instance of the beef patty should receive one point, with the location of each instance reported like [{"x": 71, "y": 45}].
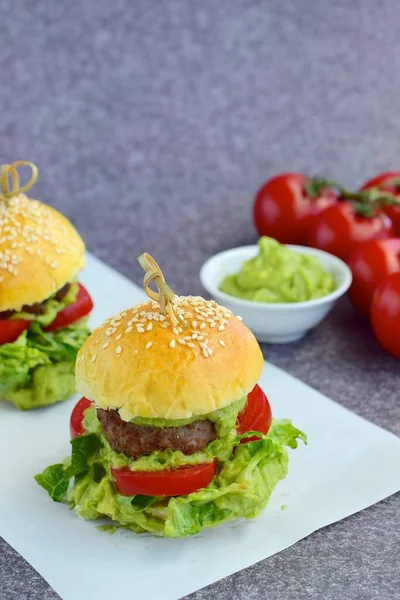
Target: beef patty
[
  {"x": 38, "y": 308},
  {"x": 138, "y": 440}
]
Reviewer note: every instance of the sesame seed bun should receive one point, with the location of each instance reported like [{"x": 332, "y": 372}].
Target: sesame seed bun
[
  {"x": 40, "y": 251},
  {"x": 142, "y": 364}
]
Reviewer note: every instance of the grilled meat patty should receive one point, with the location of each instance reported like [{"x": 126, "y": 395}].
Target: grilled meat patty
[{"x": 138, "y": 440}]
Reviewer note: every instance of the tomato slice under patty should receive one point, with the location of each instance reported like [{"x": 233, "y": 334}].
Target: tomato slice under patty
[
  {"x": 11, "y": 330},
  {"x": 170, "y": 482},
  {"x": 73, "y": 312}
]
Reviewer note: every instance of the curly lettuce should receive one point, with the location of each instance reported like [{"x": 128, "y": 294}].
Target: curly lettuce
[
  {"x": 241, "y": 488},
  {"x": 38, "y": 368}
]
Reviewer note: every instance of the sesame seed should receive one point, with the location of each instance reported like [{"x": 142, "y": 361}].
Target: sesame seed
[
  {"x": 194, "y": 336},
  {"x": 172, "y": 344},
  {"x": 221, "y": 328},
  {"x": 140, "y": 329},
  {"x": 128, "y": 330},
  {"x": 238, "y": 317},
  {"x": 96, "y": 342},
  {"x": 108, "y": 332},
  {"x": 190, "y": 344},
  {"x": 118, "y": 337},
  {"x": 194, "y": 324},
  {"x": 205, "y": 353},
  {"x": 181, "y": 341},
  {"x": 202, "y": 326},
  {"x": 94, "y": 356},
  {"x": 203, "y": 345},
  {"x": 105, "y": 345},
  {"x": 209, "y": 350},
  {"x": 123, "y": 314},
  {"x": 135, "y": 352},
  {"x": 212, "y": 324},
  {"x": 175, "y": 331},
  {"x": 149, "y": 327},
  {"x": 118, "y": 349},
  {"x": 162, "y": 318},
  {"x": 148, "y": 345},
  {"x": 221, "y": 343}
]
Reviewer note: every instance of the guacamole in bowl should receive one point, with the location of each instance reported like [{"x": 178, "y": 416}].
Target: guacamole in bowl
[{"x": 278, "y": 274}]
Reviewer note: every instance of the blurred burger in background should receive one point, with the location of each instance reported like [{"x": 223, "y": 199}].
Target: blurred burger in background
[{"x": 43, "y": 307}]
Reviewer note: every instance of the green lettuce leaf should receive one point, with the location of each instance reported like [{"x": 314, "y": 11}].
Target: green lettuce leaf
[
  {"x": 38, "y": 368},
  {"x": 17, "y": 360},
  {"x": 61, "y": 345},
  {"x": 51, "y": 307},
  {"x": 48, "y": 384},
  {"x": 241, "y": 488},
  {"x": 55, "y": 478}
]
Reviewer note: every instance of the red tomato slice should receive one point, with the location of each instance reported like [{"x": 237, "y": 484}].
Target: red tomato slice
[
  {"x": 170, "y": 482},
  {"x": 256, "y": 415},
  {"x": 73, "y": 312},
  {"x": 76, "y": 421},
  {"x": 370, "y": 263},
  {"x": 385, "y": 314},
  {"x": 11, "y": 330}
]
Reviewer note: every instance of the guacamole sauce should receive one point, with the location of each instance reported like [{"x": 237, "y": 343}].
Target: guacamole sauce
[{"x": 278, "y": 274}]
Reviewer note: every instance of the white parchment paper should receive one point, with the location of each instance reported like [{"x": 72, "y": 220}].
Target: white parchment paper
[{"x": 348, "y": 465}]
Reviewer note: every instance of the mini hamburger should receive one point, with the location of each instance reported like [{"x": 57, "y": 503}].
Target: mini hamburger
[
  {"x": 43, "y": 307},
  {"x": 173, "y": 433}
]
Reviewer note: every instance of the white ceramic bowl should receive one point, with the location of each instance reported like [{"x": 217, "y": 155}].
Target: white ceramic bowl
[{"x": 274, "y": 323}]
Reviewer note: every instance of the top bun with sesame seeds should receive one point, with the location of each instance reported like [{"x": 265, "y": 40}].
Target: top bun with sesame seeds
[
  {"x": 144, "y": 364},
  {"x": 40, "y": 251}
]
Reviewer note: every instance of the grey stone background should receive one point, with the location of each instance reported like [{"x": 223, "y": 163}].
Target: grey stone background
[{"x": 153, "y": 123}]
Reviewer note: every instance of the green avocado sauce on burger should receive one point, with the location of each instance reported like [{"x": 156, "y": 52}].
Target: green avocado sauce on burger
[{"x": 279, "y": 274}]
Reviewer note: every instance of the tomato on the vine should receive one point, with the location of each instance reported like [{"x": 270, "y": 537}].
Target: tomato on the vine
[
  {"x": 388, "y": 182},
  {"x": 371, "y": 262},
  {"x": 385, "y": 314},
  {"x": 286, "y": 206},
  {"x": 341, "y": 227}
]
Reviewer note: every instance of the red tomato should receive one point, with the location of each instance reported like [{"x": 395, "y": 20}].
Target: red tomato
[
  {"x": 170, "y": 482},
  {"x": 370, "y": 263},
  {"x": 385, "y": 314},
  {"x": 339, "y": 229},
  {"x": 73, "y": 312},
  {"x": 11, "y": 330},
  {"x": 75, "y": 423},
  {"x": 389, "y": 182},
  {"x": 285, "y": 211},
  {"x": 256, "y": 415}
]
